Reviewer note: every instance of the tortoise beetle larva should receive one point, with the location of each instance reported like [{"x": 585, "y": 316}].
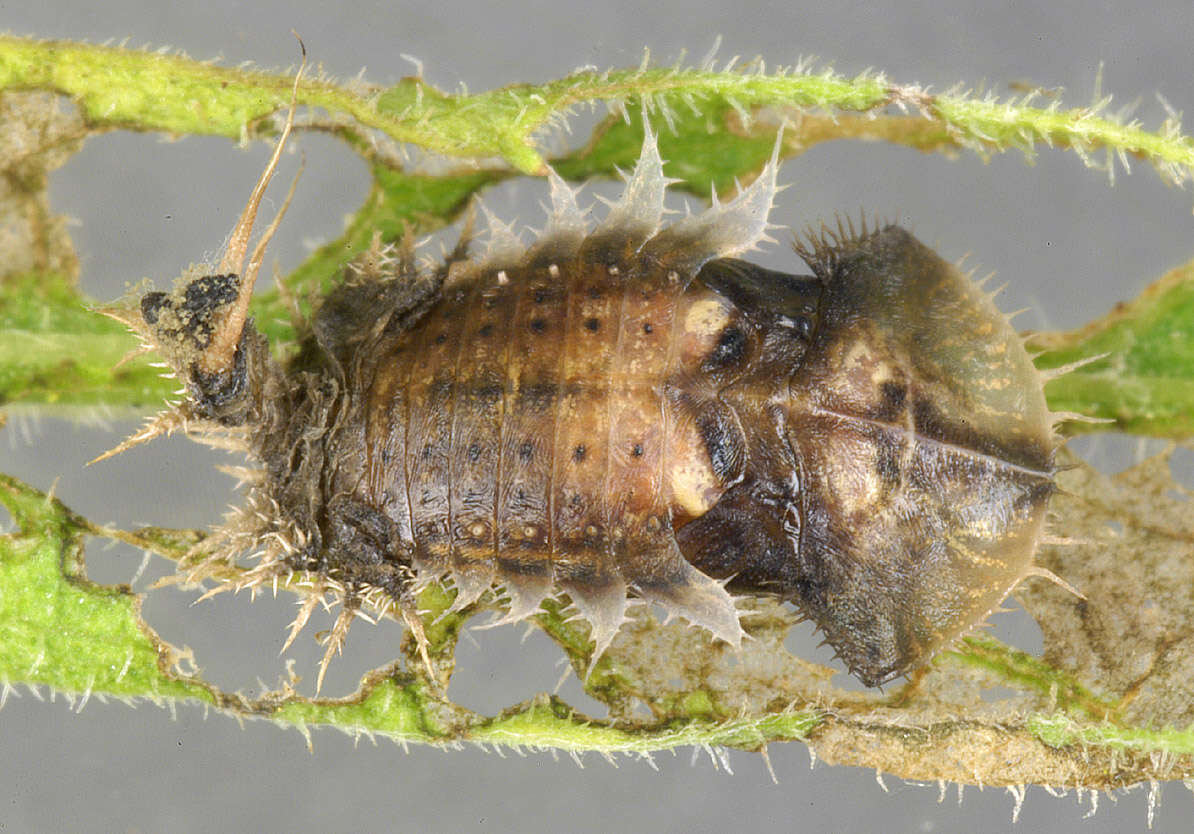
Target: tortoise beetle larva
[{"x": 630, "y": 410}]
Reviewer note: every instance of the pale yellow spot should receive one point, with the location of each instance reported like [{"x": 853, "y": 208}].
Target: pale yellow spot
[
  {"x": 881, "y": 374},
  {"x": 859, "y": 354},
  {"x": 706, "y": 317},
  {"x": 694, "y": 486},
  {"x": 851, "y": 479},
  {"x": 984, "y": 530}
]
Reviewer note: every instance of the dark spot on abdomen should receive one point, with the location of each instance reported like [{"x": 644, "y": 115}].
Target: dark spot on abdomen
[
  {"x": 538, "y": 396},
  {"x": 523, "y": 567}
]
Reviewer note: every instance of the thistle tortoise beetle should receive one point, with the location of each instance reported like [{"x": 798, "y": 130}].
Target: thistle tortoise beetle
[{"x": 630, "y": 410}]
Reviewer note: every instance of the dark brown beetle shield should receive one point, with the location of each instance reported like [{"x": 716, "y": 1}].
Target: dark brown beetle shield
[{"x": 626, "y": 412}]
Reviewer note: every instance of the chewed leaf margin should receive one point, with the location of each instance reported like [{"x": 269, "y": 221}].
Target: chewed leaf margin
[
  {"x": 88, "y": 641},
  {"x": 61, "y": 631}
]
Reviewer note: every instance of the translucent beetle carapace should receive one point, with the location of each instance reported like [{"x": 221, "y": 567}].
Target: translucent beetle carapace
[{"x": 625, "y": 411}]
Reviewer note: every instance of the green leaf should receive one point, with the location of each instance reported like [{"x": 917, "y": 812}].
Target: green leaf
[
  {"x": 1144, "y": 384},
  {"x": 55, "y": 351},
  {"x": 59, "y": 629}
]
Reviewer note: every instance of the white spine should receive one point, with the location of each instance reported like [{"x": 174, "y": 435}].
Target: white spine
[
  {"x": 637, "y": 214},
  {"x": 723, "y": 229}
]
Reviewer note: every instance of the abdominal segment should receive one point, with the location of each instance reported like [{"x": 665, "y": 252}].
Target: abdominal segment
[{"x": 537, "y": 438}]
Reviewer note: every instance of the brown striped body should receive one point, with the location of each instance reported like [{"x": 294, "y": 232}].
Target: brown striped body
[{"x": 537, "y": 427}]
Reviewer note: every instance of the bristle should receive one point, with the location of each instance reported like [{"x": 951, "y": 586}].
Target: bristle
[
  {"x": 403, "y": 255},
  {"x": 566, "y": 225},
  {"x": 981, "y": 283},
  {"x": 700, "y": 600},
  {"x": 263, "y": 574},
  {"x": 164, "y": 423},
  {"x": 335, "y": 640},
  {"x": 140, "y": 350},
  {"x": 821, "y": 247},
  {"x": 468, "y": 229},
  {"x": 411, "y": 618},
  {"x": 504, "y": 248},
  {"x": 525, "y": 600},
  {"x": 721, "y": 230},
  {"x": 243, "y": 474},
  {"x": 470, "y": 585},
  {"x": 221, "y": 350},
  {"x": 993, "y": 294},
  {"x": 1051, "y": 374},
  {"x": 1058, "y": 417},
  {"x": 258, "y": 256},
  {"x": 635, "y": 217},
  {"x": 212, "y": 592},
  {"x": 1045, "y": 573},
  {"x": 604, "y": 607}
]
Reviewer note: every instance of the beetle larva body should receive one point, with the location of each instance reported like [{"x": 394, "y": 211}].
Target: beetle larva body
[
  {"x": 550, "y": 426},
  {"x": 628, "y": 411}
]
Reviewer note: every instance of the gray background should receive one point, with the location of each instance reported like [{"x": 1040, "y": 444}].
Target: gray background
[{"x": 1069, "y": 246}]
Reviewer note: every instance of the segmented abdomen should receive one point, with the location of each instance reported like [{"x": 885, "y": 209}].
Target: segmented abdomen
[{"x": 531, "y": 436}]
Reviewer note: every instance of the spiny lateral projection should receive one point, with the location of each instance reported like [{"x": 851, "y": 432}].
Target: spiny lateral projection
[{"x": 625, "y": 412}]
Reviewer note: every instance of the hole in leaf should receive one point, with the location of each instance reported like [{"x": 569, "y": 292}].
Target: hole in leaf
[
  {"x": 1016, "y": 627},
  {"x": 112, "y": 563},
  {"x": 1181, "y": 465},
  {"x": 188, "y": 195},
  {"x": 1112, "y": 452},
  {"x": 236, "y": 642},
  {"x": 499, "y": 667}
]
